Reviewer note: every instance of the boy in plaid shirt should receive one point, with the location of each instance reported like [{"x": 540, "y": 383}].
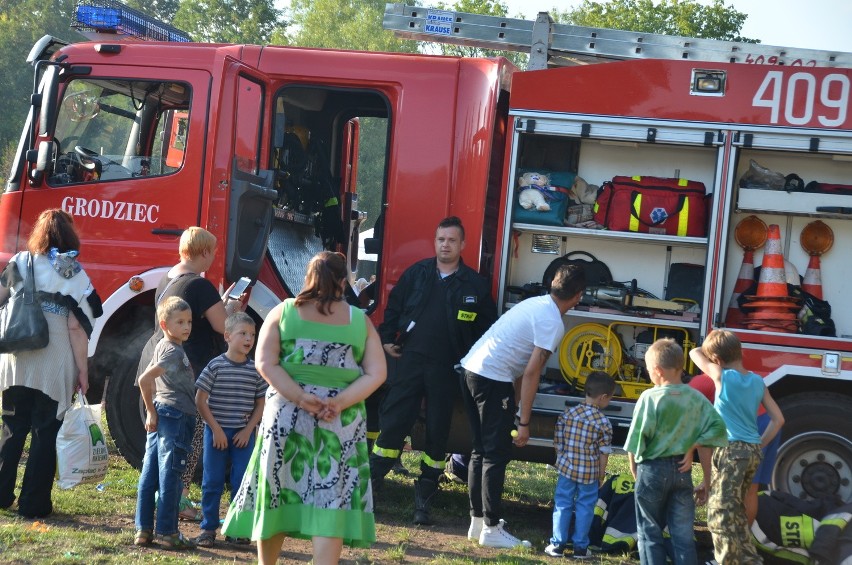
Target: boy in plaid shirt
[{"x": 582, "y": 438}]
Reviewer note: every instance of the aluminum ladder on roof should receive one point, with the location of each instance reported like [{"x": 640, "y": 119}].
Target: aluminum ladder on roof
[{"x": 552, "y": 44}]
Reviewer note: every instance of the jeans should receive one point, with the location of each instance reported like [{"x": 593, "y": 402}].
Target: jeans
[
  {"x": 166, "y": 453},
  {"x": 29, "y": 411},
  {"x": 490, "y": 407},
  {"x": 215, "y": 466},
  {"x": 664, "y": 497},
  {"x": 579, "y": 499}
]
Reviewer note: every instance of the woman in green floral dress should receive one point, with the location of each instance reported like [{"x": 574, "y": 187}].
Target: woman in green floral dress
[{"x": 309, "y": 475}]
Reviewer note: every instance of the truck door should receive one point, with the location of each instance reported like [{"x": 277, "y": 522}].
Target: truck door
[
  {"x": 251, "y": 189},
  {"x": 329, "y": 152},
  {"x": 108, "y": 166},
  {"x": 353, "y": 218}
]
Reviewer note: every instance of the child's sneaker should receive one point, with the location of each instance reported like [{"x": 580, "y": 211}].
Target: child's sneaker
[
  {"x": 175, "y": 542},
  {"x": 554, "y": 550},
  {"x": 475, "y": 528},
  {"x": 582, "y": 553},
  {"x": 497, "y": 536},
  {"x": 206, "y": 539}
]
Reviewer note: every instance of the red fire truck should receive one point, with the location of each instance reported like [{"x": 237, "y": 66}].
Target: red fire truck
[{"x": 262, "y": 146}]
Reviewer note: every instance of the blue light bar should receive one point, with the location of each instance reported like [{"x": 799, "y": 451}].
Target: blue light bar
[{"x": 110, "y": 16}]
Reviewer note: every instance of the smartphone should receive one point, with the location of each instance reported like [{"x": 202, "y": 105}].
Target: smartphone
[{"x": 239, "y": 288}]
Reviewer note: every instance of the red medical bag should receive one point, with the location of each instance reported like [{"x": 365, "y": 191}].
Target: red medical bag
[{"x": 653, "y": 205}]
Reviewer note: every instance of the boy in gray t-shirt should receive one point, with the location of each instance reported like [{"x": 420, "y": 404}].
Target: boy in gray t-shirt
[{"x": 168, "y": 390}]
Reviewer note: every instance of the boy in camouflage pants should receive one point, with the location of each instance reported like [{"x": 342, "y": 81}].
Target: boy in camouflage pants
[{"x": 738, "y": 394}]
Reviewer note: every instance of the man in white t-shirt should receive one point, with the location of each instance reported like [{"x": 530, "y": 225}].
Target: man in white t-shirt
[{"x": 516, "y": 347}]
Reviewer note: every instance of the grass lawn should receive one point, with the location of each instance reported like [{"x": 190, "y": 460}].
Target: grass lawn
[{"x": 93, "y": 524}]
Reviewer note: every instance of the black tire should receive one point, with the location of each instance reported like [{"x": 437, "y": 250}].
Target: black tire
[
  {"x": 815, "y": 457},
  {"x": 124, "y": 409}
]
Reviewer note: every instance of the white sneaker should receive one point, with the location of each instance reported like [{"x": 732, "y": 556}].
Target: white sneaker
[
  {"x": 554, "y": 550},
  {"x": 497, "y": 536},
  {"x": 475, "y": 528}
]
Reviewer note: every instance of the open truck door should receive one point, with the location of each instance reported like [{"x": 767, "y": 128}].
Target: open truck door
[{"x": 252, "y": 190}]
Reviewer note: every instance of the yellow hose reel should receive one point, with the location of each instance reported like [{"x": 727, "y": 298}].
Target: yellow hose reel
[{"x": 586, "y": 348}]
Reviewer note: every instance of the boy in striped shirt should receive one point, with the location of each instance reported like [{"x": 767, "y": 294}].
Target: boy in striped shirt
[{"x": 230, "y": 397}]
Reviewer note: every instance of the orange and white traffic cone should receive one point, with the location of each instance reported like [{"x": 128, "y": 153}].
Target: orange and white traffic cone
[
  {"x": 772, "y": 308},
  {"x": 773, "y": 278},
  {"x": 735, "y": 318},
  {"x": 812, "y": 283}
]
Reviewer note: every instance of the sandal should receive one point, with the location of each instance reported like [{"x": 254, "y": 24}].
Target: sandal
[
  {"x": 238, "y": 541},
  {"x": 189, "y": 511},
  {"x": 205, "y": 539},
  {"x": 175, "y": 542},
  {"x": 143, "y": 538}
]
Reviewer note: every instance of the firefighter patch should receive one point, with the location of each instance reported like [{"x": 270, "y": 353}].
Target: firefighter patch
[
  {"x": 796, "y": 531},
  {"x": 465, "y": 316}
]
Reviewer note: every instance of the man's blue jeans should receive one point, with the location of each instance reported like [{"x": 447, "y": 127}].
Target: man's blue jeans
[
  {"x": 166, "y": 452},
  {"x": 664, "y": 497},
  {"x": 579, "y": 498},
  {"x": 215, "y": 467}
]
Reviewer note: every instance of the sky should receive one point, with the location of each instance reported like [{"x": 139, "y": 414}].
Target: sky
[{"x": 810, "y": 24}]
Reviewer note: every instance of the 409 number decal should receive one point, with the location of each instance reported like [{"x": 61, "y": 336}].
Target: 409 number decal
[{"x": 802, "y": 97}]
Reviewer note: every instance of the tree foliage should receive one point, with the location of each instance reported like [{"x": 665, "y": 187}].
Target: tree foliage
[
  {"x": 22, "y": 23},
  {"x": 163, "y": 10},
  {"x": 670, "y": 17},
  {"x": 228, "y": 21},
  {"x": 343, "y": 24}
]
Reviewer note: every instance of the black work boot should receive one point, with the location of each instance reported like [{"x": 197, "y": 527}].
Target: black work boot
[
  {"x": 424, "y": 490},
  {"x": 379, "y": 467}
]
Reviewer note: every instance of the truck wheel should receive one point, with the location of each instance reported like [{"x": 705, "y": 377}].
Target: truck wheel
[
  {"x": 815, "y": 457},
  {"x": 125, "y": 411}
]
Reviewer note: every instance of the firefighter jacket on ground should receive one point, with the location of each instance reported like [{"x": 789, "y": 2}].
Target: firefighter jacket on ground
[
  {"x": 832, "y": 543},
  {"x": 614, "y": 525},
  {"x": 786, "y": 526}
]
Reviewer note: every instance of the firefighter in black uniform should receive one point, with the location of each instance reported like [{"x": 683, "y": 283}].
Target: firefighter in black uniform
[{"x": 435, "y": 313}]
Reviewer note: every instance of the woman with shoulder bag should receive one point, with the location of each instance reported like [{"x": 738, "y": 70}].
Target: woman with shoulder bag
[{"x": 38, "y": 385}]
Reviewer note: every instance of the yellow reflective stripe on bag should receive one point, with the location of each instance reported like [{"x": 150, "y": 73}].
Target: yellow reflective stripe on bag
[
  {"x": 683, "y": 218},
  {"x": 634, "y": 217}
]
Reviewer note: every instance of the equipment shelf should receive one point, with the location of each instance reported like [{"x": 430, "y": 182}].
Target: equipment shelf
[
  {"x": 613, "y": 235},
  {"x": 628, "y": 319}
]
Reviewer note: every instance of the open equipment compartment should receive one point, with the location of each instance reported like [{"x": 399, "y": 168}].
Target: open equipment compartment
[{"x": 606, "y": 331}]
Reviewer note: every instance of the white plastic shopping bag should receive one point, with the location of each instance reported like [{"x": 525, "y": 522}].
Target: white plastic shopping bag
[{"x": 80, "y": 446}]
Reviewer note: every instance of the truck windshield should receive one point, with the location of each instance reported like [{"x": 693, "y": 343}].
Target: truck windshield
[{"x": 119, "y": 129}]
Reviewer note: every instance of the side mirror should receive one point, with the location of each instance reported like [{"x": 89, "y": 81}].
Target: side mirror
[
  {"x": 43, "y": 158},
  {"x": 372, "y": 245},
  {"x": 45, "y": 155},
  {"x": 47, "y": 116}
]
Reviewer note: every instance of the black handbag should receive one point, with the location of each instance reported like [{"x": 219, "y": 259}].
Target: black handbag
[
  {"x": 22, "y": 323},
  {"x": 596, "y": 271}
]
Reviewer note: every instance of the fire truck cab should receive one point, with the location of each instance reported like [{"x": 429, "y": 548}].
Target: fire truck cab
[{"x": 266, "y": 147}]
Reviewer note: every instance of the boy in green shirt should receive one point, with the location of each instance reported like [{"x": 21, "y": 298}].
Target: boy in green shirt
[{"x": 670, "y": 421}]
